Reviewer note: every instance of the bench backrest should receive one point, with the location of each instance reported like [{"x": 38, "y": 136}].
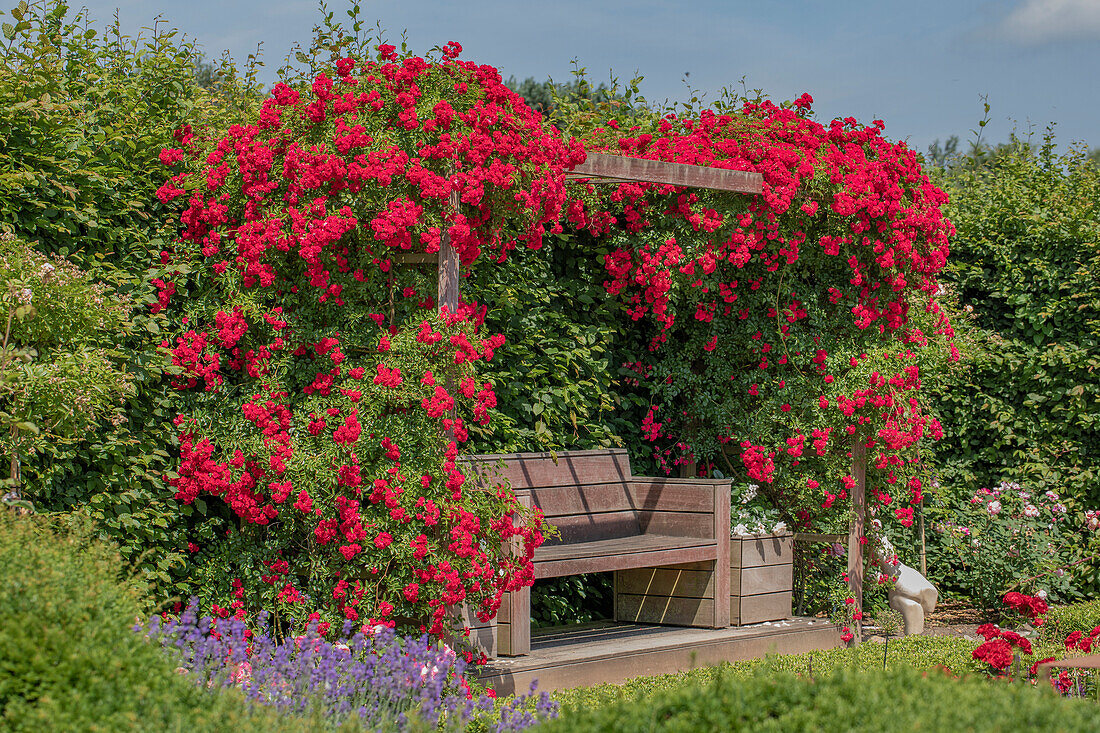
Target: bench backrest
[{"x": 592, "y": 495}]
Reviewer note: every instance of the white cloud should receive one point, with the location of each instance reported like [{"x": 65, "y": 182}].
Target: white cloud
[{"x": 1044, "y": 21}]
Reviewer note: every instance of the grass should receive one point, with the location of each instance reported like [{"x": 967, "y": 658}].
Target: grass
[{"x": 916, "y": 652}]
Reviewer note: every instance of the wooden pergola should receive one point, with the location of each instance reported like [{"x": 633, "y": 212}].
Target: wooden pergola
[
  {"x": 599, "y": 168},
  {"x": 602, "y": 168}
]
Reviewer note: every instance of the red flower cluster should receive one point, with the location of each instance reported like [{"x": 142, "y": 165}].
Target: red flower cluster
[
  {"x": 286, "y": 223},
  {"x": 1031, "y": 607},
  {"x": 1082, "y": 641},
  {"x": 998, "y": 646},
  {"x": 818, "y": 276}
]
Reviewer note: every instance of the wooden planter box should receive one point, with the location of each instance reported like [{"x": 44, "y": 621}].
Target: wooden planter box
[{"x": 761, "y": 578}]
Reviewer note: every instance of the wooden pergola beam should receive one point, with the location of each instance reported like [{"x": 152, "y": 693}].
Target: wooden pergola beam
[
  {"x": 856, "y": 530},
  {"x": 620, "y": 169}
]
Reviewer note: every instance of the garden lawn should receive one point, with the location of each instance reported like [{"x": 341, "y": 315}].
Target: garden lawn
[
  {"x": 916, "y": 652},
  {"x": 901, "y": 699}
]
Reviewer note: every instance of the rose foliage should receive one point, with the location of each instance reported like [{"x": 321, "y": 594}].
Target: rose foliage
[
  {"x": 776, "y": 330},
  {"x": 320, "y": 379},
  {"x": 780, "y": 329}
]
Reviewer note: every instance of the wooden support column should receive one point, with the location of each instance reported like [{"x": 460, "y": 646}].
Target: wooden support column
[
  {"x": 448, "y": 266},
  {"x": 722, "y": 565},
  {"x": 514, "y": 619},
  {"x": 856, "y": 528}
]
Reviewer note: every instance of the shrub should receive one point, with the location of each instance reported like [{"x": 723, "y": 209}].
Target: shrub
[
  {"x": 1024, "y": 260},
  {"x": 1061, "y": 621},
  {"x": 1002, "y": 539},
  {"x": 900, "y": 699},
  {"x": 84, "y": 113},
  {"x": 60, "y": 375},
  {"x": 68, "y": 657}
]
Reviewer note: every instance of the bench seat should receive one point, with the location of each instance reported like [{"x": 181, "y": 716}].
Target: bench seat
[
  {"x": 605, "y": 519},
  {"x": 621, "y": 553}
]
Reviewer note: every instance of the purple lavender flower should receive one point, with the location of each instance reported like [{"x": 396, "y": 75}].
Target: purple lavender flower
[{"x": 383, "y": 679}]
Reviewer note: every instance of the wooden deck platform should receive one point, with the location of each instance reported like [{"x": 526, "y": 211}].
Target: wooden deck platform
[{"x": 616, "y": 652}]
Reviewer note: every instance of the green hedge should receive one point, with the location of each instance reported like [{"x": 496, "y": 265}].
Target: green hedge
[
  {"x": 918, "y": 652},
  {"x": 69, "y": 660},
  {"x": 901, "y": 699},
  {"x": 1062, "y": 621},
  {"x": 1024, "y": 263}
]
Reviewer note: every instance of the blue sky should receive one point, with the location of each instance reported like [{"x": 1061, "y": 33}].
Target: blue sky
[{"x": 920, "y": 65}]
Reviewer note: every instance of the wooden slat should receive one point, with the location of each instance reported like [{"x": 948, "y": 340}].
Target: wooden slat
[
  {"x": 557, "y": 501},
  {"x": 599, "y": 165},
  {"x": 813, "y": 537},
  {"x": 677, "y": 524},
  {"x": 484, "y": 639},
  {"x": 761, "y": 550},
  {"x": 760, "y": 608},
  {"x": 594, "y": 564},
  {"x": 620, "y": 546},
  {"x": 584, "y": 528},
  {"x": 668, "y": 580},
  {"x": 416, "y": 258},
  {"x": 766, "y": 579},
  {"x": 642, "y": 494},
  {"x": 673, "y": 495},
  {"x": 575, "y": 468},
  {"x": 670, "y": 611}
]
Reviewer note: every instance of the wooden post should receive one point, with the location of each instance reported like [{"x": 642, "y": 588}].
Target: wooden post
[
  {"x": 722, "y": 598},
  {"x": 923, "y": 546},
  {"x": 855, "y": 529},
  {"x": 448, "y": 266}
]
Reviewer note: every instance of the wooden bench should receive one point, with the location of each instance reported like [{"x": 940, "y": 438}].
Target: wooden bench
[{"x": 658, "y": 535}]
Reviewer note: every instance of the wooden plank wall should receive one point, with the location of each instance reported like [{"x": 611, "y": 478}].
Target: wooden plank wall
[
  {"x": 675, "y": 595},
  {"x": 482, "y": 635},
  {"x": 761, "y": 579}
]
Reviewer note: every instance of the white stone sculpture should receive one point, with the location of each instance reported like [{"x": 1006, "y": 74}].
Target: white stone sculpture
[{"x": 912, "y": 596}]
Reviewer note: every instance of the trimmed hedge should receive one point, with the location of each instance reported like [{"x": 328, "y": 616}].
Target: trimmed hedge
[
  {"x": 69, "y": 659},
  {"x": 901, "y": 699},
  {"x": 1061, "y": 621}
]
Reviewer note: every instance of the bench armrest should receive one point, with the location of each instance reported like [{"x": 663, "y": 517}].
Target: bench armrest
[{"x": 682, "y": 507}]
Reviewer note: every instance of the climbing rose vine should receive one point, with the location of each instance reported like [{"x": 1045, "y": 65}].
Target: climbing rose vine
[
  {"x": 781, "y": 329},
  {"x": 775, "y": 333},
  {"x": 326, "y": 396}
]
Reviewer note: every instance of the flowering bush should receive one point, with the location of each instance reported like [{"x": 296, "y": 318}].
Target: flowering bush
[
  {"x": 1005, "y": 648},
  {"x": 1008, "y": 537},
  {"x": 319, "y": 378},
  {"x": 60, "y": 375},
  {"x": 751, "y": 514},
  {"x": 792, "y": 323},
  {"x": 374, "y": 676}
]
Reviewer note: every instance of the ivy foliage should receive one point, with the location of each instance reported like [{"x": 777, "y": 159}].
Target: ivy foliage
[{"x": 559, "y": 379}]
